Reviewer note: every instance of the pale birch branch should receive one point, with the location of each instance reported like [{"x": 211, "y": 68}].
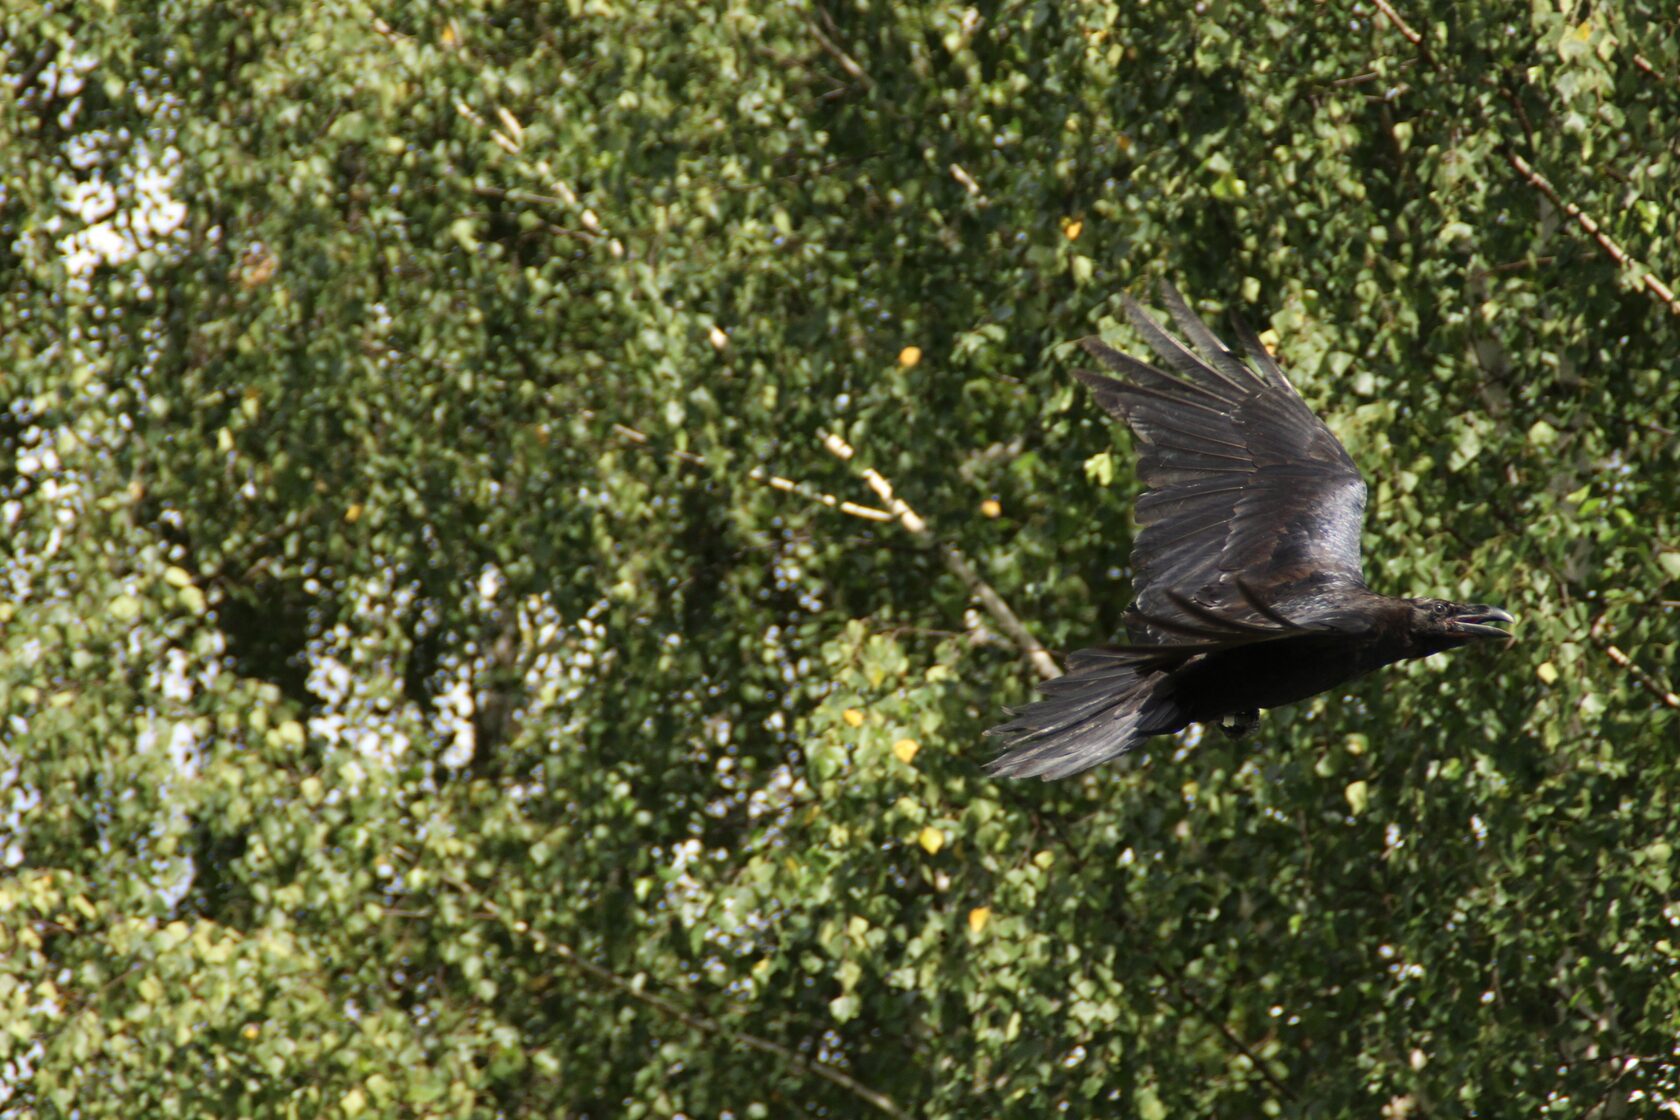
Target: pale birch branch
[
  {"x": 1539, "y": 182},
  {"x": 1651, "y": 684},
  {"x": 1006, "y": 619},
  {"x": 1400, "y": 25}
]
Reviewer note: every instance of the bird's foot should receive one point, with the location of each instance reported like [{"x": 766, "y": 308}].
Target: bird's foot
[{"x": 1240, "y": 724}]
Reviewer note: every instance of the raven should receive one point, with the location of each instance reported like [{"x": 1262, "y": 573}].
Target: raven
[{"x": 1246, "y": 572}]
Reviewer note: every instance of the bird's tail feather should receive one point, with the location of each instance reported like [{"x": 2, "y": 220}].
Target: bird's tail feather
[{"x": 1108, "y": 701}]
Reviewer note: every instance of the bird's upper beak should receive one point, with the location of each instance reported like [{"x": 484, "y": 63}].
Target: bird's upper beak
[{"x": 1475, "y": 621}]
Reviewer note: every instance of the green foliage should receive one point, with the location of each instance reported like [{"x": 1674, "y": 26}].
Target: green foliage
[{"x": 416, "y": 701}]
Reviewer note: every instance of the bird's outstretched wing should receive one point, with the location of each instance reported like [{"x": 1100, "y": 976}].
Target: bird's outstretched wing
[{"x": 1252, "y": 509}]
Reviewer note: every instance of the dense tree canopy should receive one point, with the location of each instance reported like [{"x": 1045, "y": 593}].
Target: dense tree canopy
[{"x": 441, "y": 673}]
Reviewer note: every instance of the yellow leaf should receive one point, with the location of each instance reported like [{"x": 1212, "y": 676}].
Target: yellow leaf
[
  {"x": 853, "y": 717},
  {"x": 991, "y": 507},
  {"x": 250, "y": 1032},
  {"x": 905, "y": 750},
  {"x": 719, "y": 340},
  {"x": 978, "y": 917},
  {"x": 1072, "y": 228},
  {"x": 909, "y": 356},
  {"x": 931, "y": 839},
  {"x": 354, "y": 513},
  {"x": 176, "y": 577},
  {"x": 1358, "y": 794},
  {"x": 1547, "y": 672}
]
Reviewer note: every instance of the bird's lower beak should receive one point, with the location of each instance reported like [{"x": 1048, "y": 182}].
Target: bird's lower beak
[{"x": 1477, "y": 622}]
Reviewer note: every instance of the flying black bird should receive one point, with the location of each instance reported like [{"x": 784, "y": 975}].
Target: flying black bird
[{"x": 1249, "y": 592}]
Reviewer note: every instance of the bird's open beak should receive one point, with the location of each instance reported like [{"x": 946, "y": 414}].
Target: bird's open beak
[{"x": 1477, "y": 622}]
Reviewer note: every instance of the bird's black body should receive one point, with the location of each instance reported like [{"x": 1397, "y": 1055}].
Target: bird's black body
[{"x": 1246, "y": 567}]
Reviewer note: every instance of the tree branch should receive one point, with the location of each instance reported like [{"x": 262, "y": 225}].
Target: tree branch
[
  {"x": 1007, "y": 620},
  {"x": 1651, "y": 684},
  {"x": 759, "y": 474},
  {"x": 1174, "y": 981},
  {"x": 1539, "y": 182},
  {"x": 846, "y": 61},
  {"x": 1400, "y": 25},
  {"x": 702, "y": 1023},
  {"x": 1224, "y": 1029}
]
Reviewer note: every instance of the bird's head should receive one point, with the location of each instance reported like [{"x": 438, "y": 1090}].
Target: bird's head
[{"x": 1438, "y": 625}]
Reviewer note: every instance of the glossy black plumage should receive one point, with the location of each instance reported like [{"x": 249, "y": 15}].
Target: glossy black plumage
[{"x": 1247, "y": 580}]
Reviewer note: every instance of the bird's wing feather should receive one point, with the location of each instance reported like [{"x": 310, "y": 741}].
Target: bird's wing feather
[{"x": 1245, "y": 487}]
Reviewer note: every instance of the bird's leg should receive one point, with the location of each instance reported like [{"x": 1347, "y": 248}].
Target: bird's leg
[{"x": 1240, "y": 724}]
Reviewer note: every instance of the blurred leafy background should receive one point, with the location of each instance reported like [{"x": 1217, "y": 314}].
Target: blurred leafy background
[{"x": 421, "y": 698}]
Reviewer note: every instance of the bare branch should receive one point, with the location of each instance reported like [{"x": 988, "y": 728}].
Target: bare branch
[
  {"x": 1651, "y": 684},
  {"x": 504, "y": 141},
  {"x": 967, "y": 180},
  {"x": 759, "y": 474},
  {"x": 1400, "y": 25},
  {"x": 959, "y": 565},
  {"x": 1539, "y": 182},
  {"x": 846, "y": 61},
  {"x": 529, "y": 197}
]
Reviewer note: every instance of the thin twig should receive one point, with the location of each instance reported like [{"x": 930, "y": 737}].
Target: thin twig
[
  {"x": 757, "y": 474},
  {"x": 1224, "y": 1028},
  {"x": 1510, "y": 266},
  {"x": 670, "y": 1009},
  {"x": 519, "y": 196},
  {"x": 1539, "y": 182},
  {"x": 959, "y": 565},
  {"x": 1122, "y": 920},
  {"x": 504, "y": 141},
  {"x": 846, "y": 61},
  {"x": 1400, "y": 25},
  {"x": 967, "y": 180},
  {"x": 1651, "y": 684}
]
